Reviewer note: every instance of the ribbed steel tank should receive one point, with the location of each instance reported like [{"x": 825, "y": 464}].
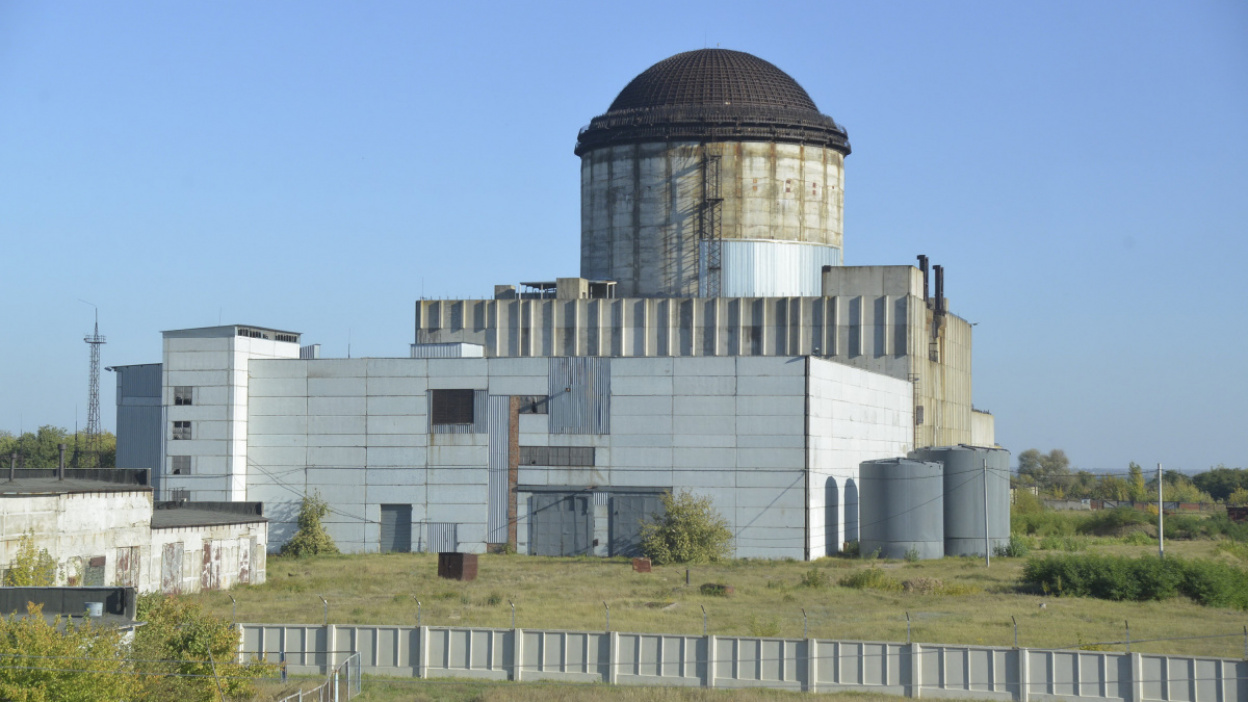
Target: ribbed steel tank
[
  {"x": 964, "y": 496},
  {"x": 712, "y": 174},
  {"x": 901, "y": 508}
]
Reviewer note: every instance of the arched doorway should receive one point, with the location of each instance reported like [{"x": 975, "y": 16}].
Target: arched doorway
[{"x": 831, "y": 518}]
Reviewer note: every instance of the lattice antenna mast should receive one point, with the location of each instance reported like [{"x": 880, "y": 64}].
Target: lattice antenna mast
[{"x": 92, "y": 453}]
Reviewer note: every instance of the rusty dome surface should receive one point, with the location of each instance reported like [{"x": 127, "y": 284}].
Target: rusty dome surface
[{"x": 713, "y": 95}]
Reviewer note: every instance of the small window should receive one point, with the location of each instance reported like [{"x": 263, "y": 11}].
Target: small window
[
  {"x": 181, "y": 430},
  {"x": 533, "y": 404},
  {"x": 452, "y": 407},
  {"x": 182, "y": 395},
  {"x": 180, "y": 465},
  {"x": 180, "y": 495}
]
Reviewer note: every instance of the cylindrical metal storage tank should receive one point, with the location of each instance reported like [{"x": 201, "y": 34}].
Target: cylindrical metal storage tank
[
  {"x": 713, "y": 173},
  {"x": 966, "y": 468},
  {"x": 901, "y": 508}
]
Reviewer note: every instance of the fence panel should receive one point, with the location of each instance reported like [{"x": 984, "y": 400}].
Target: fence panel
[{"x": 927, "y": 670}]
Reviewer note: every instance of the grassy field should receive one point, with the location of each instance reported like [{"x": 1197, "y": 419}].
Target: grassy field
[{"x": 768, "y": 599}]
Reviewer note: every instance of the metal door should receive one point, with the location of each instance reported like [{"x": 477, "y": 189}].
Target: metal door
[
  {"x": 396, "y": 528},
  {"x": 561, "y": 525},
  {"x": 171, "y": 568},
  {"x": 627, "y": 513}
]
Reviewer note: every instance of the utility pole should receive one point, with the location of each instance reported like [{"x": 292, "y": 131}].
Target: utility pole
[
  {"x": 987, "y": 545},
  {"x": 1161, "y": 512}
]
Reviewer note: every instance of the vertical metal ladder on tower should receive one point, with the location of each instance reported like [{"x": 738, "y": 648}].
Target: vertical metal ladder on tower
[{"x": 710, "y": 233}]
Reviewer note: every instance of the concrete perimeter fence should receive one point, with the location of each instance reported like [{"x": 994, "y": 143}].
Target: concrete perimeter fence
[{"x": 815, "y": 665}]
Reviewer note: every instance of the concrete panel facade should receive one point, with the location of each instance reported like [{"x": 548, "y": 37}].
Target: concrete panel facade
[{"x": 735, "y": 429}]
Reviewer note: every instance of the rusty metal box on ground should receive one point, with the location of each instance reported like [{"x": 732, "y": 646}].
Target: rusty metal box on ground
[{"x": 453, "y": 565}]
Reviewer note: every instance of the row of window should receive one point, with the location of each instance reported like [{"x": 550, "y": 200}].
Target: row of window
[{"x": 449, "y": 407}]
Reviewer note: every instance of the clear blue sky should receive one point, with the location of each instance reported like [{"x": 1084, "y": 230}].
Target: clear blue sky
[{"x": 1079, "y": 168}]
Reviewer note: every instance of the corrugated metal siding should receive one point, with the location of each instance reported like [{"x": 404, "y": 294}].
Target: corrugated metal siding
[
  {"x": 580, "y": 395},
  {"x": 443, "y": 537},
  {"x": 139, "y": 413},
  {"x": 480, "y": 416},
  {"x": 396, "y": 528},
  {"x": 500, "y": 436},
  {"x": 770, "y": 268}
]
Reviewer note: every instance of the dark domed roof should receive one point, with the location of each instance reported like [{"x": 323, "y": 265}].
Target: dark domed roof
[
  {"x": 715, "y": 95},
  {"x": 713, "y": 77}
]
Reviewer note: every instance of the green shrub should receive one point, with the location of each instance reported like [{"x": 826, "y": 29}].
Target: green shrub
[
  {"x": 688, "y": 531},
  {"x": 1046, "y": 523},
  {"x": 764, "y": 627},
  {"x": 850, "y": 549},
  {"x": 1016, "y": 548},
  {"x": 872, "y": 578},
  {"x": 1112, "y": 522},
  {"x": 30, "y": 567},
  {"x": 1140, "y": 579},
  {"x": 311, "y": 539},
  {"x": 814, "y": 578},
  {"x": 912, "y": 555}
]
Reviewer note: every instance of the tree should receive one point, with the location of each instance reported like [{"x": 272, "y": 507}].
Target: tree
[
  {"x": 1220, "y": 482},
  {"x": 1138, "y": 487},
  {"x": 40, "y": 449},
  {"x": 1044, "y": 470},
  {"x": 183, "y": 652},
  {"x": 30, "y": 567},
  {"x": 77, "y": 664},
  {"x": 1238, "y": 498},
  {"x": 688, "y": 530},
  {"x": 311, "y": 539}
]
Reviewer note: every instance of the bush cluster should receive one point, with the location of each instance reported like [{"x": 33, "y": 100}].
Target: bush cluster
[
  {"x": 1140, "y": 579},
  {"x": 688, "y": 530},
  {"x": 872, "y": 578}
]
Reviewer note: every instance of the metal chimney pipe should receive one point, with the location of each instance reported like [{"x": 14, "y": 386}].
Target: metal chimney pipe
[
  {"x": 60, "y": 466},
  {"x": 12, "y": 466},
  {"x": 923, "y": 267},
  {"x": 940, "y": 288}
]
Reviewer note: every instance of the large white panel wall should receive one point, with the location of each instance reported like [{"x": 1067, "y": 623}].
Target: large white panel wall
[{"x": 855, "y": 416}]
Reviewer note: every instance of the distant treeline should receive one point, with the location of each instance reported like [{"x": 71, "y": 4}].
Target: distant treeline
[
  {"x": 1051, "y": 475},
  {"x": 39, "y": 449}
]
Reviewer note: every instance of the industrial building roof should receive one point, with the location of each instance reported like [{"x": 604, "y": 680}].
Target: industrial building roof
[
  {"x": 713, "y": 77},
  {"x": 26, "y": 482},
  {"x": 172, "y": 519},
  {"x": 172, "y": 515},
  {"x": 714, "y": 94}
]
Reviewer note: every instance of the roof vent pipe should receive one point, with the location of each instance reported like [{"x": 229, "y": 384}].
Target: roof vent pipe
[
  {"x": 60, "y": 464},
  {"x": 923, "y": 267}
]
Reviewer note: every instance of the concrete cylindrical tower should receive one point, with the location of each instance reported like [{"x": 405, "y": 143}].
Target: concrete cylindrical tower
[{"x": 712, "y": 173}]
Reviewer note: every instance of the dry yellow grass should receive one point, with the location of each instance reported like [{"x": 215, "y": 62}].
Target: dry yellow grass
[{"x": 552, "y": 593}]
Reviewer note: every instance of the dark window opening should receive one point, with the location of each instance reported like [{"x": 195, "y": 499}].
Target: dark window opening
[
  {"x": 534, "y": 404},
  {"x": 452, "y": 407},
  {"x": 182, "y": 395},
  {"x": 180, "y": 465},
  {"x": 181, "y": 430}
]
